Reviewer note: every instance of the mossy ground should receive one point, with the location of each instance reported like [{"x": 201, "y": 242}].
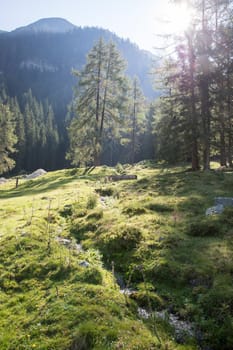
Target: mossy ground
[{"x": 153, "y": 231}]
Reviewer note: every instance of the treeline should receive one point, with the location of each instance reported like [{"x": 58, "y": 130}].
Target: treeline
[
  {"x": 29, "y": 136},
  {"x": 109, "y": 119},
  {"x": 31, "y": 139},
  {"x": 195, "y": 112}
]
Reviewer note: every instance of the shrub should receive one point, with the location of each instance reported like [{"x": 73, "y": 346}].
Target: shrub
[
  {"x": 147, "y": 298},
  {"x": 120, "y": 169},
  {"x": 66, "y": 211},
  {"x": 91, "y": 201}
]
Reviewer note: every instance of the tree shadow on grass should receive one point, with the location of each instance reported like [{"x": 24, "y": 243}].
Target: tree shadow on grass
[
  {"x": 184, "y": 183},
  {"x": 39, "y": 186}
]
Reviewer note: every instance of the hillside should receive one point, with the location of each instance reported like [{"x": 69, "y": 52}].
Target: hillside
[
  {"x": 49, "y": 49},
  {"x": 70, "y": 241}
]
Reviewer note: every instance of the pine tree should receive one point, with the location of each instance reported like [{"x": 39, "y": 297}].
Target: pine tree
[
  {"x": 8, "y": 138},
  {"x": 137, "y": 118},
  {"x": 52, "y": 137},
  {"x": 20, "y": 133}
]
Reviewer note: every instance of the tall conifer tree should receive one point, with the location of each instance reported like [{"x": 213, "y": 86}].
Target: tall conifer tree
[{"x": 99, "y": 100}]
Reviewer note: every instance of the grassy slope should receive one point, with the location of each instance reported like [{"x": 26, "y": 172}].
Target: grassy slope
[{"x": 155, "y": 232}]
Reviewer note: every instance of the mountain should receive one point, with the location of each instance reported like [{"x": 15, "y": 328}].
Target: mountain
[
  {"x": 49, "y": 25},
  {"x": 42, "y": 55}
]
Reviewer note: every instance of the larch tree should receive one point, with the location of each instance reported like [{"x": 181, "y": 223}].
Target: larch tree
[{"x": 99, "y": 102}]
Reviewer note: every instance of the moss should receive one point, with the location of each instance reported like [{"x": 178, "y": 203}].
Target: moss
[
  {"x": 210, "y": 226},
  {"x": 134, "y": 209},
  {"x": 155, "y": 235}
]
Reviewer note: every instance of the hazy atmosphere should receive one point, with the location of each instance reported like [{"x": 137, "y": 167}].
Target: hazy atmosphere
[
  {"x": 116, "y": 175},
  {"x": 137, "y": 20}
]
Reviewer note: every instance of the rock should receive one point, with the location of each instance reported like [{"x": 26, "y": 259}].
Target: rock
[
  {"x": 69, "y": 244},
  {"x": 220, "y": 204},
  {"x": 122, "y": 177},
  {"x": 63, "y": 241},
  {"x": 127, "y": 291},
  {"x": 143, "y": 313},
  {"x": 224, "y": 201},
  {"x": 2, "y": 180},
  {"x": 35, "y": 174},
  {"x": 78, "y": 247},
  {"x": 84, "y": 263},
  {"x": 217, "y": 209}
]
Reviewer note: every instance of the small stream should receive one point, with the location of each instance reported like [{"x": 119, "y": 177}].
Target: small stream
[{"x": 182, "y": 329}]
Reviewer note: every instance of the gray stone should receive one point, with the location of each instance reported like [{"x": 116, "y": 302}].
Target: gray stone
[
  {"x": 63, "y": 241},
  {"x": 142, "y": 313},
  {"x": 35, "y": 174},
  {"x": 78, "y": 247},
  {"x": 84, "y": 263},
  {"x": 69, "y": 244},
  {"x": 217, "y": 209},
  {"x": 127, "y": 291},
  {"x": 225, "y": 201},
  {"x": 3, "y": 180}
]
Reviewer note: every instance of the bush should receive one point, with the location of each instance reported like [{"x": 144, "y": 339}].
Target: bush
[
  {"x": 91, "y": 201},
  {"x": 146, "y": 298},
  {"x": 66, "y": 211},
  {"x": 120, "y": 169}
]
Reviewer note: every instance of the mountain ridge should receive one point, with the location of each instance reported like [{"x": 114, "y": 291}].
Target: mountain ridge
[
  {"x": 50, "y": 24},
  {"x": 42, "y": 60}
]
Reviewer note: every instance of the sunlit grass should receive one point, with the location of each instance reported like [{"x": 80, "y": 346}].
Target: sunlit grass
[{"x": 145, "y": 227}]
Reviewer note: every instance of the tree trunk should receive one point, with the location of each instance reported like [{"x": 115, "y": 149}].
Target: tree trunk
[
  {"x": 134, "y": 124},
  {"x": 204, "y": 91},
  {"x": 194, "y": 145},
  {"x": 229, "y": 114}
]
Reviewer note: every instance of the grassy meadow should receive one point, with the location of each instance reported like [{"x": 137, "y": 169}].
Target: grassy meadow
[{"x": 149, "y": 235}]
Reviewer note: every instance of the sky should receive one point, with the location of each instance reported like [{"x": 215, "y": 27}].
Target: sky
[{"x": 138, "y": 20}]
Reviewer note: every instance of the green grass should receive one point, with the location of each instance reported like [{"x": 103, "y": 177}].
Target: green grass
[{"x": 152, "y": 229}]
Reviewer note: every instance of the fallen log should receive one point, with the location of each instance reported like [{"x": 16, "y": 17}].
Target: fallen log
[{"x": 121, "y": 177}]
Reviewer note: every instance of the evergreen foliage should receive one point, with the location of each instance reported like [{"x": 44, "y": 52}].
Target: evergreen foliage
[
  {"x": 194, "y": 113},
  {"x": 99, "y": 103},
  {"x": 8, "y": 138}
]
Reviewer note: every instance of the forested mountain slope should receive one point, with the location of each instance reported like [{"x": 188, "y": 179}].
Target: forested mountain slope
[{"x": 42, "y": 55}]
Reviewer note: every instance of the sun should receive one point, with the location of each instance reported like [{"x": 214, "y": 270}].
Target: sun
[{"x": 175, "y": 18}]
